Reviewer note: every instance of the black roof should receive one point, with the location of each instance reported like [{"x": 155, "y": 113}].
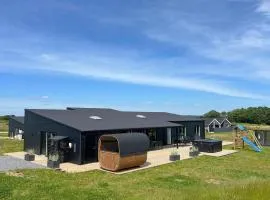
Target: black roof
[
  {"x": 96, "y": 109},
  {"x": 220, "y": 119},
  {"x": 110, "y": 120},
  {"x": 164, "y": 115},
  {"x": 129, "y": 143},
  {"x": 19, "y": 119},
  {"x": 81, "y": 120},
  {"x": 207, "y": 121},
  {"x": 169, "y": 116}
]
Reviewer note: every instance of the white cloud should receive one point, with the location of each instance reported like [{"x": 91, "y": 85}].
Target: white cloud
[
  {"x": 16, "y": 106},
  {"x": 264, "y": 7},
  {"x": 237, "y": 50},
  {"x": 133, "y": 69},
  {"x": 47, "y": 57},
  {"x": 253, "y": 38},
  {"x": 131, "y": 72},
  {"x": 44, "y": 97},
  {"x": 235, "y": 53}
]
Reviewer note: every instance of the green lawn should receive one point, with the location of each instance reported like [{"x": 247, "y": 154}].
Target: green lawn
[
  {"x": 244, "y": 175},
  {"x": 8, "y": 145},
  {"x": 3, "y": 128},
  {"x": 3, "y": 125},
  {"x": 221, "y": 136},
  {"x": 3, "y": 134}
]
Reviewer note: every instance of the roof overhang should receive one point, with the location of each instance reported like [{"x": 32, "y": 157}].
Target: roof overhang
[{"x": 58, "y": 138}]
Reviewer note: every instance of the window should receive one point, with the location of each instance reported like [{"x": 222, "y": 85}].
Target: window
[
  {"x": 95, "y": 117},
  {"x": 74, "y": 147},
  {"x": 141, "y": 116},
  {"x": 111, "y": 146},
  {"x": 198, "y": 130},
  {"x": 183, "y": 131}
]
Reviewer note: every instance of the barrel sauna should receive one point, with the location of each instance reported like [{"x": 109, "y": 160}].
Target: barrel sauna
[{"x": 122, "y": 151}]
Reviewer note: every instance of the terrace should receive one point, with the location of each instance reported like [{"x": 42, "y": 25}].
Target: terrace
[{"x": 154, "y": 158}]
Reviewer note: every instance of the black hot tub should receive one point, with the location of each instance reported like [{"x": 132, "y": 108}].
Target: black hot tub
[{"x": 208, "y": 145}]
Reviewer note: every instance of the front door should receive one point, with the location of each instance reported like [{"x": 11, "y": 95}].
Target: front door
[
  {"x": 91, "y": 148},
  {"x": 44, "y": 140}
]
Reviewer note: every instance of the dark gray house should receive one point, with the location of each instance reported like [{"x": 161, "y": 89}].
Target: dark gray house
[
  {"x": 15, "y": 126},
  {"x": 76, "y": 131},
  {"x": 219, "y": 124}
]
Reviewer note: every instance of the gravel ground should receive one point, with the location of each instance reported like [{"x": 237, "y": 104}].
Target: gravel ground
[{"x": 9, "y": 163}]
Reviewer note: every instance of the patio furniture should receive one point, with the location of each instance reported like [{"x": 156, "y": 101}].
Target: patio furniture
[{"x": 182, "y": 140}]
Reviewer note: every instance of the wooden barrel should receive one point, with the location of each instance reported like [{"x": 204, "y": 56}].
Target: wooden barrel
[{"x": 122, "y": 151}]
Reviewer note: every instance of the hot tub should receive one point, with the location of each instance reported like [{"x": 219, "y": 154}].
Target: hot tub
[{"x": 208, "y": 145}]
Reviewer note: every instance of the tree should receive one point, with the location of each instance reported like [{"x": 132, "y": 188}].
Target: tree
[
  {"x": 212, "y": 114},
  {"x": 254, "y": 115},
  {"x": 5, "y": 117},
  {"x": 223, "y": 114}
]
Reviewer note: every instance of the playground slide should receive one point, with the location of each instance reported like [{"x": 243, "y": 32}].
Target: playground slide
[
  {"x": 251, "y": 144},
  {"x": 241, "y": 127}
]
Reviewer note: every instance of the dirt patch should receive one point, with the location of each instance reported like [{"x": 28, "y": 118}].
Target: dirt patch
[{"x": 16, "y": 174}]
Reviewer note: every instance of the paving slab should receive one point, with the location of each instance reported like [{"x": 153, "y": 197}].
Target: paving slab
[
  {"x": 39, "y": 159},
  {"x": 159, "y": 157},
  {"x": 225, "y": 143},
  {"x": 224, "y": 152},
  {"x": 8, "y": 163}
]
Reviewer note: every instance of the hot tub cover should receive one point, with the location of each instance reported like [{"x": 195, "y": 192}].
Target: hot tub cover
[
  {"x": 129, "y": 143},
  {"x": 207, "y": 140}
]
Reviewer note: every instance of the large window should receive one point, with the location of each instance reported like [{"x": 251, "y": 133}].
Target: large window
[{"x": 181, "y": 131}]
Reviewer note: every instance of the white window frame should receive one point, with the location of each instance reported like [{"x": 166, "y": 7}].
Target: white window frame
[{"x": 215, "y": 121}]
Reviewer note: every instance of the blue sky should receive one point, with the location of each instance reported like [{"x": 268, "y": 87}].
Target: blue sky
[{"x": 185, "y": 56}]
